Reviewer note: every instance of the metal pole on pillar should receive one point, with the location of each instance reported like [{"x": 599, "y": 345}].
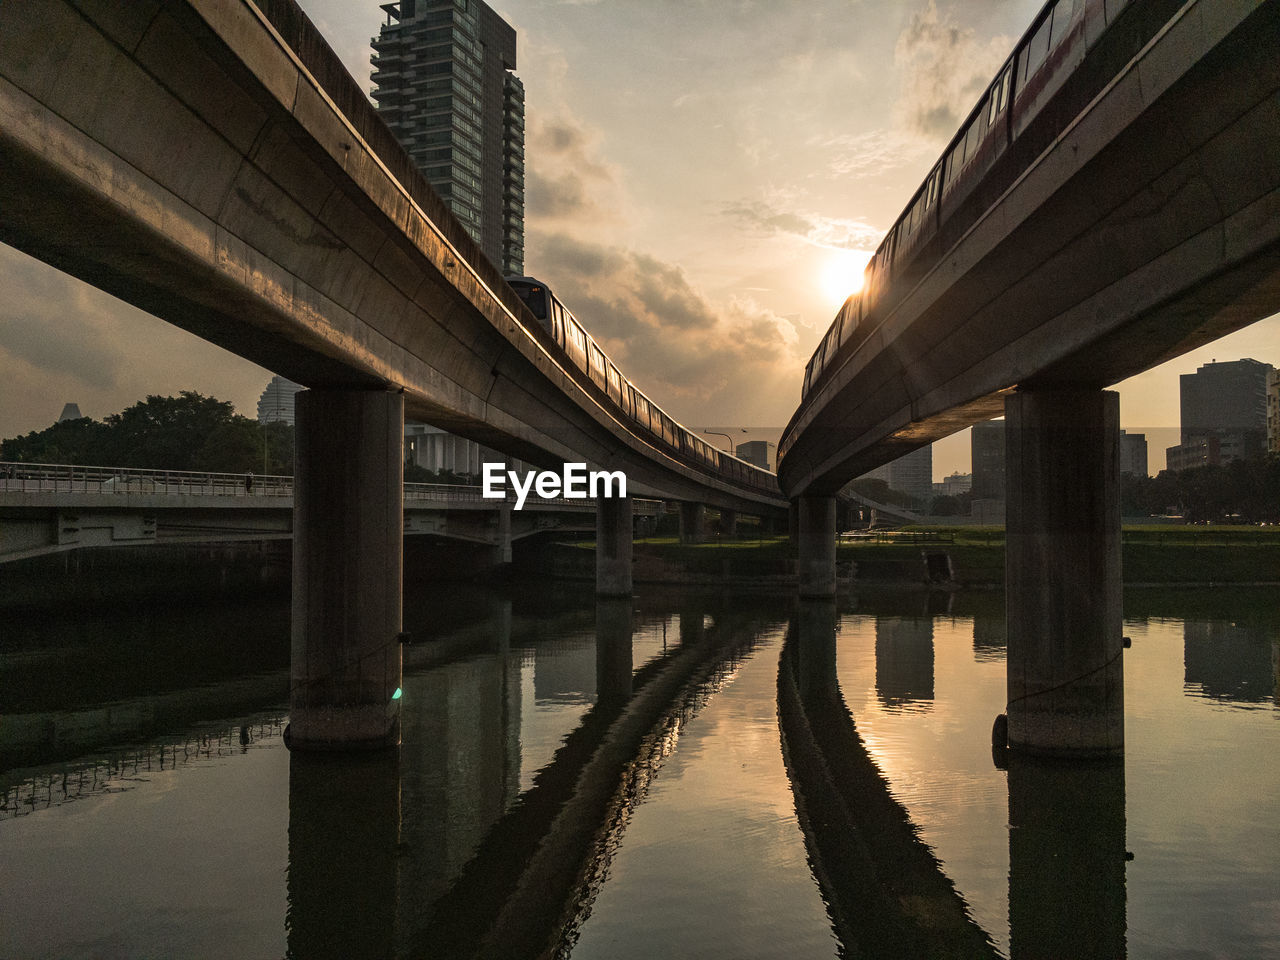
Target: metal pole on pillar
[{"x": 345, "y": 675}]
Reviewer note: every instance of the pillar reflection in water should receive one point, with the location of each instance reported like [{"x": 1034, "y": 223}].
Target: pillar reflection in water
[
  {"x": 904, "y": 661},
  {"x": 344, "y": 836},
  {"x": 461, "y": 761},
  {"x": 816, "y": 652},
  {"x": 1066, "y": 859},
  {"x": 613, "y": 650}
]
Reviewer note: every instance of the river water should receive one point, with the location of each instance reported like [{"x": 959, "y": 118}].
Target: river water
[{"x": 685, "y": 774}]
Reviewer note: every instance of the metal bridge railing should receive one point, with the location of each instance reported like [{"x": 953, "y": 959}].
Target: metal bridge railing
[{"x": 70, "y": 478}]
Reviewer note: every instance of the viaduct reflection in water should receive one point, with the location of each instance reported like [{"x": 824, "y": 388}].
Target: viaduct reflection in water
[
  {"x": 464, "y": 864},
  {"x": 886, "y": 892}
]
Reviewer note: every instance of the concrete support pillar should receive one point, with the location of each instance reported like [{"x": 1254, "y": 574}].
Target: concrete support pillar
[
  {"x": 729, "y": 524},
  {"x": 817, "y": 536},
  {"x": 613, "y": 546},
  {"x": 504, "y": 534},
  {"x": 693, "y": 522},
  {"x": 613, "y": 650},
  {"x": 1062, "y": 572},
  {"x": 793, "y": 526},
  {"x": 347, "y": 556}
]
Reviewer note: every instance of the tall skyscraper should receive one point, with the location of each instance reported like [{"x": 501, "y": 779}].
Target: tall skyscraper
[
  {"x": 445, "y": 86},
  {"x": 276, "y": 402}
]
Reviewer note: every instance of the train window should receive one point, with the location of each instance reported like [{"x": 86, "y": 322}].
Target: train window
[
  {"x": 557, "y": 322},
  {"x": 597, "y": 365},
  {"x": 973, "y": 136},
  {"x": 1037, "y": 47},
  {"x": 1064, "y": 15},
  {"x": 615, "y": 384}
]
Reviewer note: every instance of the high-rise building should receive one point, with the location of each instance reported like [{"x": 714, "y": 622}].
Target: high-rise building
[
  {"x": 986, "y": 447},
  {"x": 911, "y": 474},
  {"x": 1226, "y": 402},
  {"x": 1133, "y": 454},
  {"x": 276, "y": 402},
  {"x": 755, "y": 452},
  {"x": 445, "y": 86}
]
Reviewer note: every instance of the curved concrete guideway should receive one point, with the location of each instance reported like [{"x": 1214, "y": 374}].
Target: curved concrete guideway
[{"x": 236, "y": 182}]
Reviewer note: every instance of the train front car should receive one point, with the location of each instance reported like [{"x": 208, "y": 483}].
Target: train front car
[{"x": 536, "y": 297}]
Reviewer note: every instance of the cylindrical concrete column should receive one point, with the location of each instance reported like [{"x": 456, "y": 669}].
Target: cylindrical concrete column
[
  {"x": 613, "y": 546},
  {"x": 1062, "y": 572},
  {"x": 693, "y": 522},
  {"x": 347, "y": 558},
  {"x": 728, "y": 524},
  {"x": 816, "y": 518}
]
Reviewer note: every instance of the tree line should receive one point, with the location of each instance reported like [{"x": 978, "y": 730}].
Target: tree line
[
  {"x": 186, "y": 432},
  {"x": 1243, "y": 490}
]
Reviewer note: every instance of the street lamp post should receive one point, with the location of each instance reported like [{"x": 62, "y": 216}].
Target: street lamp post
[{"x": 732, "y": 448}]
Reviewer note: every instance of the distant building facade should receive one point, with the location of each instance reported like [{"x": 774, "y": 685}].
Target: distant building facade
[
  {"x": 954, "y": 485},
  {"x": 1133, "y": 454},
  {"x": 1223, "y": 409},
  {"x": 756, "y": 452},
  {"x": 435, "y": 450},
  {"x": 277, "y": 401},
  {"x": 911, "y": 474},
  {"x": 70, "y": 411},
  {"x": 986, "y": 448},
  {"x": 445, "y": 87}
]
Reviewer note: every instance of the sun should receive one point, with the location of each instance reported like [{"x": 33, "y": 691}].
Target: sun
[{"x": 842, "y": 274}]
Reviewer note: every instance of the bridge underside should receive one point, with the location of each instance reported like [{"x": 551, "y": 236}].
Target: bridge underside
[
  {"x": 1149, "y": 228},
  {"x": 184, "y": 158}
]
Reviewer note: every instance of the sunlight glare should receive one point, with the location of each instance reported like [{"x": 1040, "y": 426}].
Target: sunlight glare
[{"x": 842, "y": 274}]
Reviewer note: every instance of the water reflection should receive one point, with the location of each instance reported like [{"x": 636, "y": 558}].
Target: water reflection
[
  {"x": 344, "y": 836},
  {"x": 540, "y": 807},
  {"x": 904, "y": 662},
  {"x": 1234, "y": 661},
  {"x": 886, "y": 893},
  {"x": 1066, "y": 859}
]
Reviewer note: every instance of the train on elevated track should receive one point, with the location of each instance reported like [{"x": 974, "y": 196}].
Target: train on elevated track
[
  {"x": 600, "y": 377},
  {"x": 1072, "y": 50}
]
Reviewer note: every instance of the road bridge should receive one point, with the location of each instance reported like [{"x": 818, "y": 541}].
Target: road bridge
[
  {"x": 1112, "y": 202},
  {"x": 51, "y": 508},
  {"x": 213, "y": 163}
]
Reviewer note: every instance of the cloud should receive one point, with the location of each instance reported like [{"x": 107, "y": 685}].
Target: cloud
[
  {"x": 817, "y": 229},
  {"x": 700, "y": 360},
  {"x": 56, "y": 324},
  {"x": 62, "y": 340},
  {"x": 569, "y": 182},
  {"x": 944, "y": 69}
]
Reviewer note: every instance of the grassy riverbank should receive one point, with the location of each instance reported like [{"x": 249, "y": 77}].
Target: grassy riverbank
[{"x": 974, "y": 556}]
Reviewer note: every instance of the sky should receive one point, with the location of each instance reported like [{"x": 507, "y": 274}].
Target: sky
[{"x": 705, "y": 178}]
